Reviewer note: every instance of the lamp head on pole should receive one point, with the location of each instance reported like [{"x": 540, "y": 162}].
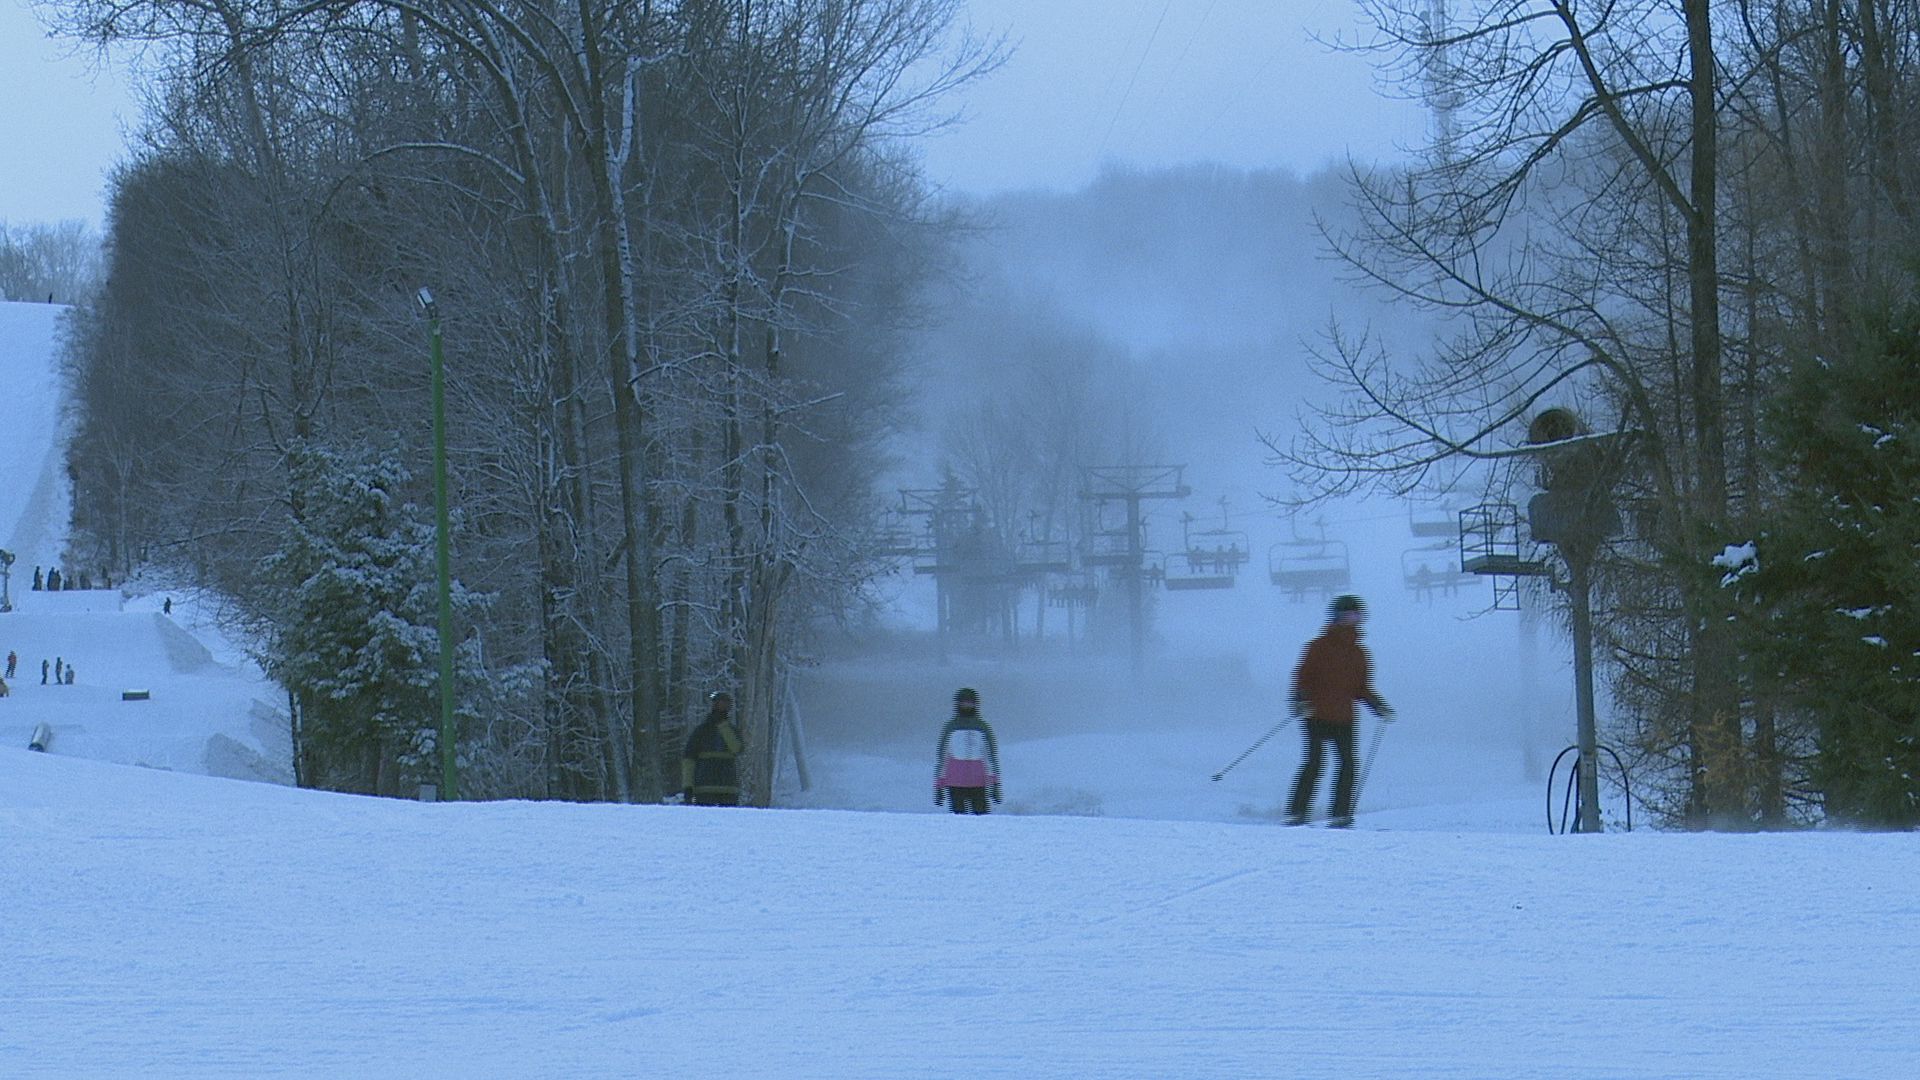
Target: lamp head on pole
[{"x": 425, "y": 297}]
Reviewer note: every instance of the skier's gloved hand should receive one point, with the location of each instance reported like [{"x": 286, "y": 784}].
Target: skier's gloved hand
[{"x": 1385, "y": 712}]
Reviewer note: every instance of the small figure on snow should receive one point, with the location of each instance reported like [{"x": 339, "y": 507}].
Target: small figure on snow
[
  {"x": 3, "y": 688},
  {"x": 38, "y": 581},
  {"x": 13, "y": 662},
  {"x": 69, "y": 674},
  {"x": 967, "y": 762},
  {"x": 167, "y": 607},
  {"x": 53, "y": 580},
  {"x": 1334, "y": 673},
  {"x": 43, "y": 672},
  {"x": 59, "y": 671},
  {"x": 709, "y": 769}
]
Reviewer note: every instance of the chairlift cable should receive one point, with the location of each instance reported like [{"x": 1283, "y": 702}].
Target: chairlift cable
[{"x": 1128, "y": 92}]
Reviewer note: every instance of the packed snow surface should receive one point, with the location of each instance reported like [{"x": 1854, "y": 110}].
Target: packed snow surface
[{"x": 174, "y": 925}]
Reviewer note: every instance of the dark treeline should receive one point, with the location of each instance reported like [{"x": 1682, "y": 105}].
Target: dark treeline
[
  {"x": 671, "y": 246},
  {"x": 1654, "y": 214}
]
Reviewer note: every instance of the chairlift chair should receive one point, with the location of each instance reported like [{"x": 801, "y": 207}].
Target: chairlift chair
[
  {"x": 1432, "y": 520},
  {"x": 1109, "y": 547},
  {"x": 1181, "y": 573},
  {"x": 1045, "y": 557},
  {"x": 1434, "y": 569},
  {"x": 1078, "y": 590},
  {"x": 1319, "y": 567}
]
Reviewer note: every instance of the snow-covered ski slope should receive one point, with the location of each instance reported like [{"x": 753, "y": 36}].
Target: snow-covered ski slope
[
  {"x": 165, "y": 925},
  {"x": 33, "y": 490},
  {"x": 207, "y": 710},
  {"x": 1120, "y": 916}
]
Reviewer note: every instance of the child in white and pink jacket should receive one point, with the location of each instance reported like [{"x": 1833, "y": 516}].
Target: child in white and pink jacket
[{"x": 967, "y": 766}]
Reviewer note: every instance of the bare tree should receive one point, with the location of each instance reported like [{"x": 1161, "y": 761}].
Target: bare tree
[{"x": 1563, "y": 126}]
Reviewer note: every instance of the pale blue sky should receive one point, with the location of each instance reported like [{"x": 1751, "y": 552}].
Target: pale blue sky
[
  {"x": 61, "y": 128},
  {"x": 1167, "y": 82},
  {"x": 1141, "y": 82}
]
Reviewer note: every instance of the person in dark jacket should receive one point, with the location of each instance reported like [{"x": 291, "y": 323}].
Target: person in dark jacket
[
  {"x": 1333, "y": 675},
  {"x": 709, "y": 768},
  {"x": 966, "y": 770}
]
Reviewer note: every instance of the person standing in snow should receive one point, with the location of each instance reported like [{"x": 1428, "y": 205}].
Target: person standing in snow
[
  {"x": 967, "y": 762},
  {"x": 1334, "y": 674},
  {"x": 709, "y": 767},
  {"x": 59, "y": 670},
  {"x": 13, "y": 662},
  {"x": 43, "y": 672}
]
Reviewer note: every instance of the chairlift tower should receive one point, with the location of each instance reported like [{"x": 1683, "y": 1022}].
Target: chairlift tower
[
  {"x": 1131, "y": 485},
  {"x": 950, "y": 510},
  {"x": 1441, "y": 89}
]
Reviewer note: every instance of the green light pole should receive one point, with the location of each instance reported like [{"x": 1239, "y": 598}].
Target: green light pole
[{"x": 441, "y": 552}]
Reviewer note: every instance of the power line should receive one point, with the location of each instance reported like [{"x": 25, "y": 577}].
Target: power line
[
  {"x": 1174, "y": 71},
  {"x": 1128, "y": 92}
]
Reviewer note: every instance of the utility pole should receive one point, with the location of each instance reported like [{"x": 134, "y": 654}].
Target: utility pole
[
  {"x": 1586, "y": 730},
  {"x": 1575, "y": 513},
  {"x": 1130, "y": 484},
  {"x": 442, "y": 552}
]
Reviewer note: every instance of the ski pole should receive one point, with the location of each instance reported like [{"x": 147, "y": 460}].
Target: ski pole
[
  {"x": 1258, "y": 743},
  {"x": 1366, "y": 764}
]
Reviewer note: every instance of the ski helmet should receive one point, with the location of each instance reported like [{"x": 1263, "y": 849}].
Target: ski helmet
[
  {"x": 719, "y": 696},
  {"x": 966, "y": 695},
  {"x": 1345, "y": 603}
]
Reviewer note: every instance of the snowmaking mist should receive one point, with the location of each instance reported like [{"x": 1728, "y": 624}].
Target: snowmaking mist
[{"x": 1167, "y": 319}]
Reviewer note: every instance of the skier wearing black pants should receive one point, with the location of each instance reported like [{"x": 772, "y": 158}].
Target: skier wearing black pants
[
  {"x": 1334, "y": 674},
  {"x": 967, "y": 762}
]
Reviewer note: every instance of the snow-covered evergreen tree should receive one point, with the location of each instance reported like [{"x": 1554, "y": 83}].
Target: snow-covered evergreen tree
[
  {"x": 354, "y": 639},
  {"x": 1831, "y": 590}
]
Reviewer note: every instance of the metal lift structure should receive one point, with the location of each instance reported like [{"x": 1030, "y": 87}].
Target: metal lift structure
[{"x": 1121, "y": 550}]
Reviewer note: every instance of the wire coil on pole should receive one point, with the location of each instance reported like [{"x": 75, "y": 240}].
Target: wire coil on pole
[{"x": 1568, "y": 801}]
